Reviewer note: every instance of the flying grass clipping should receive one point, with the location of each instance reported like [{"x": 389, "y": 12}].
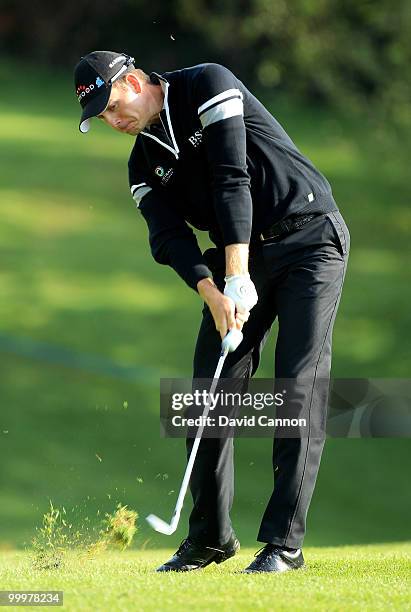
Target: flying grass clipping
[{"x": 57, "y": 537}]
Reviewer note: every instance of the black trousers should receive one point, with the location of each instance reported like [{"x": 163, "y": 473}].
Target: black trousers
[{"x": 299, "y": 280}]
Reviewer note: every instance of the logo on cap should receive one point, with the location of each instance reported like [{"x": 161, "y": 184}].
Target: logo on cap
[
  {"x": 83, "y": 90},
  {"x": 159, "y": 171},
  {"x": 99, "y": 82},
  {"x": 116, "y": 60}
]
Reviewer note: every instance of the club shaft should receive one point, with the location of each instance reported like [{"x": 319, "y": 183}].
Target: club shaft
[{"x": 190, "y": 463}]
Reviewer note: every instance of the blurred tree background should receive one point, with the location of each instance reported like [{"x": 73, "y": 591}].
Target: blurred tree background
[
  {"x": 348, "y": 53},
  {"x": 88, "y": 321}
]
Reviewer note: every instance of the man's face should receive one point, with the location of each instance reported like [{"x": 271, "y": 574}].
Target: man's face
[{"x": 130, "y": 107}]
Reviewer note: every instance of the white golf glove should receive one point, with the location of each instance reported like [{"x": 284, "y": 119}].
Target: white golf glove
[{"x": 240, "y": 288}]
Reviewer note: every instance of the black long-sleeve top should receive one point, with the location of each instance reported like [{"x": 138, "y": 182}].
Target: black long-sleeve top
[{"x": 219, "y": 161}]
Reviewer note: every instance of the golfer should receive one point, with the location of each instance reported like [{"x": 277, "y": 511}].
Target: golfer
[{"x": 208, "y": 154}]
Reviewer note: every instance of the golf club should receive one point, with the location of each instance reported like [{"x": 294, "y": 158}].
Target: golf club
[{"x": 228, "y": 345}]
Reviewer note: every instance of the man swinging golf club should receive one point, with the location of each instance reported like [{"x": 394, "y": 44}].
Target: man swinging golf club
[{"x": 208, "y": 153}]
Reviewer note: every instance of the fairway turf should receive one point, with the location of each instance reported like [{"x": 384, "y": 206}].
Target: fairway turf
[{"x": 335, "y": 579}]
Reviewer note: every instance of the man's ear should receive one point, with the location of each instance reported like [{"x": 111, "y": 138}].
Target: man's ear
[{"x": 134, "y": 82}]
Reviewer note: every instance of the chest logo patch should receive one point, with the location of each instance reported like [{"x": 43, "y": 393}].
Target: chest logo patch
[{"x": 164, "y": 175}]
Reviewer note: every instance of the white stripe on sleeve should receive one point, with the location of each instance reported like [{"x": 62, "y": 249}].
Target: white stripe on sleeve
[
  {"x": 223, "y": 110},
  {"x": 134, "y": 187},
  {"x": 228, "y": 93},
  {"x": 139, "y": 191}
]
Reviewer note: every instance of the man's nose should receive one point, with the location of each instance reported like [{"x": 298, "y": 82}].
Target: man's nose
[{"x": 114, "y": 121}]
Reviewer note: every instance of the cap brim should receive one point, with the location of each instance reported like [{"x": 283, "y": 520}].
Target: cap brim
[{"x": 94, "y": 108}]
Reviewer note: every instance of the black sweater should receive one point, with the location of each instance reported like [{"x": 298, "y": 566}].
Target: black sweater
[{"x": 220, "y": 162}]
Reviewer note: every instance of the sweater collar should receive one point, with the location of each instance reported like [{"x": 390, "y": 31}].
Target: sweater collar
[{"x": 158, "y": 79}]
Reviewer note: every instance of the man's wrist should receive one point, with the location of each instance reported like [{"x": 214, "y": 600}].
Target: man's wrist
[
  {"x": 236, "y": 259},
  {"x": 206, "y": 287}
]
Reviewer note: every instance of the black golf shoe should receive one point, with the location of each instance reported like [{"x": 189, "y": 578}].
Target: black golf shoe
[
  {"x": 272, "y": 558},
  {"x": 191, "y": 556}
]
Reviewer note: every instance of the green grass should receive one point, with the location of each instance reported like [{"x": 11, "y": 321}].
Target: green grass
[
  {"x": 363, "y": 578},
  {"x": 88, "y": 322}
]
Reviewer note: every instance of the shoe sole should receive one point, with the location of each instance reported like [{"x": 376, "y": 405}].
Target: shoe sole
[{"x": 291, "y": 569}]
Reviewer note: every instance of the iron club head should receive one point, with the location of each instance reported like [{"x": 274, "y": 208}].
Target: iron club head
[{"x": 161, "y": 526}]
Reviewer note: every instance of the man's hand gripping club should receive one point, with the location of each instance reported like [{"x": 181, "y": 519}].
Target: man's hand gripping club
[{"x": 231, "y": 309}]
